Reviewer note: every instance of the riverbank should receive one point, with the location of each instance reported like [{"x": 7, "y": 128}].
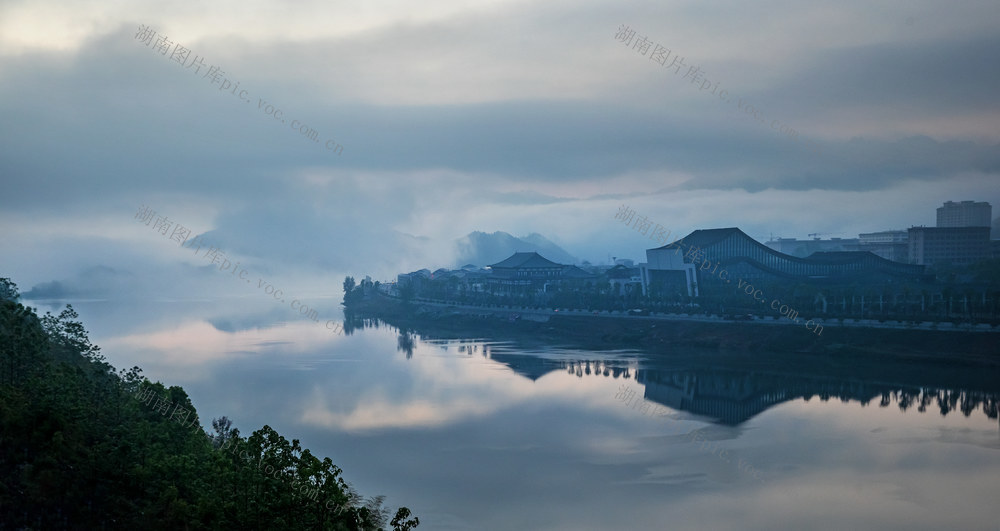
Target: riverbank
[{"x": 616, "y": 331}]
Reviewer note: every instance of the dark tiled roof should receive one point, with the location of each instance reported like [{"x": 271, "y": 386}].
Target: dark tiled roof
[
  {"x": 620, "y": 271},
  {"x": 705, "y": 237},
  {"x": 760, "y": 256},
  {"x": 526, "y": 260},
  {"x": 843, "y": 257},
  {"x": 571, "y": 271}
]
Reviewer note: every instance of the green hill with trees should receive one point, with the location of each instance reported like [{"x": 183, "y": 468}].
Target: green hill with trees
[{"x": 85, "y": 447}]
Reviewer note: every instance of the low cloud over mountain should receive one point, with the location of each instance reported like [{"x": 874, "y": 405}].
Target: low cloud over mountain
[{"x": 481, "y": 249}]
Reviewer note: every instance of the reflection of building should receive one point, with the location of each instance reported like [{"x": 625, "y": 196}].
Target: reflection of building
[
  {"x": 745, "y": 258},
  {"x": 729, "y": 396},
  {"x": 964, "y": 214},
  {"x": 949, "y": 245},
  {"x": 744, "y": 388},
  {"x": 735, "y": 395},
  {"x": 889, "y": 244}
]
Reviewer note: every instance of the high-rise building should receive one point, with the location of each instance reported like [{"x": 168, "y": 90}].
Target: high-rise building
[
  {"x": 965, "y": 214},
  {"x": 954, "y": 245},
  {"x": 889, "y": 244}
]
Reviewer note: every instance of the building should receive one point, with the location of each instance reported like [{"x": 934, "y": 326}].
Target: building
[
  {"x": 671, "y": 269},
  {"x": 522, "y": 271},
  {"x": 889, "y": 244},
  {"x": 948, "y": 245},
  {"x": 415, "y": 279},
  {"x": 965, "y": 214},
  {"x": 525, "y": 269},
  {"x": 665, "y": 268},
  {"x": 624, "y": 278},
  {"x": 804, "y": 248}
]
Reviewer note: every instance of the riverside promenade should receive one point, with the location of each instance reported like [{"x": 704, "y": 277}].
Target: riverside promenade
[{"x": 544, "y": 314}]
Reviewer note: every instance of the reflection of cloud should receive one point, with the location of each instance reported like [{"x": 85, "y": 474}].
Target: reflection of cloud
[
  {"x": 198, "y": 342},
  {"x": 416, "y": 413},
  {"x": 192, "y": 343},
  {"x": 435, "y": 387}
]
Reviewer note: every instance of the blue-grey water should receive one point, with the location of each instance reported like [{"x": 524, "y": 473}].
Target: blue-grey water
[{"x": 484, "y": 433}]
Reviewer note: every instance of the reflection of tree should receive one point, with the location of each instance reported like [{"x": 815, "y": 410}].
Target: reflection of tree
[
  {"x": 736, "y": 387},
  {"x": 351, "y": 322},
  {"x": 947, "y": 400},
  {"x": 746, "y": 393},
  {"x": 405, "y": 343},
  {"x": 905, "y": 401}
]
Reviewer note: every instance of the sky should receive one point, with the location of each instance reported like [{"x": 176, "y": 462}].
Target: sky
[{"x": 439, "y": 118}]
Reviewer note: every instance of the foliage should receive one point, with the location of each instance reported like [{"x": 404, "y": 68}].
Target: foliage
[
  {"x": 79, "y": 449},
  {"x": 352, "y": 292},
  {"x": 8, "y": 290},
  {"x": 400, "y": 522}
]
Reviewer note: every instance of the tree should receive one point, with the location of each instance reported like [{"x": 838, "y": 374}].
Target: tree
[
  {"x": 400, "y": 522},
  {"x": 223, "y": 431},
  {"x": 85, "y": 446},
  {"x": 351, "y": 293},
  {"x": 378, "y": 514},
  {"x": 22, "y": 342},
  {"x": 69, "y": 335},
  {"x": 8, "y": 290}
]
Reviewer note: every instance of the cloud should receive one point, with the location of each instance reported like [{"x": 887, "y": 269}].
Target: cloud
[{"x": 507, "y": 116}]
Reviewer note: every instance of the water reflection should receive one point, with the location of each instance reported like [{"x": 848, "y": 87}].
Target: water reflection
[
  {"x": 734, "y": 395},
  {"x": 463, "y": 423}
]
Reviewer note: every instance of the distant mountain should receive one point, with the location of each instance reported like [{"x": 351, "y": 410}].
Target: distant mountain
[
  {"x": 92, "y": 283},
  {"x": 483, "y": 249}
]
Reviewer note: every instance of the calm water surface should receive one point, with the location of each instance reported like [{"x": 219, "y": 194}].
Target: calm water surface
[{"x": 487, "y": 434}]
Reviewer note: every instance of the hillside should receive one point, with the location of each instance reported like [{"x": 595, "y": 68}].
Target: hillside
[
  {"x": 481, "y": 249},
  {"x": 83, "y": 446}
]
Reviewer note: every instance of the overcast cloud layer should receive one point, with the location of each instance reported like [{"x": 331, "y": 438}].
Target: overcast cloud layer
[{"x": 513, "y": 116}]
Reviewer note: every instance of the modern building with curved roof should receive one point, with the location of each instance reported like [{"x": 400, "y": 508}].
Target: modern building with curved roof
[{"x": 742, "y": 256}]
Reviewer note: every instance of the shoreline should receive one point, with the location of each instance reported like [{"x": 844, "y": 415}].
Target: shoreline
[{"x": 656, "y": 332}]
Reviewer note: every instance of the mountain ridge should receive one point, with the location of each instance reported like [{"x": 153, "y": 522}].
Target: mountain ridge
[{"x": 482, "y": 249}]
